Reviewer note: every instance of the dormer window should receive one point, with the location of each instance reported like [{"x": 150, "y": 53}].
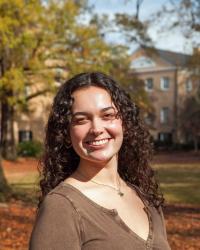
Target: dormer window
[{"x": 142, "y": 62}]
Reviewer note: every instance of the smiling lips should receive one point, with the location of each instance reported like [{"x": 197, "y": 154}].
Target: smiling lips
[{"x": 97, "y": 142}]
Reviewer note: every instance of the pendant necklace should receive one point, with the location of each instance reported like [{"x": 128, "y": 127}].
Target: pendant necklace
[{"x": 119, "y": 192}]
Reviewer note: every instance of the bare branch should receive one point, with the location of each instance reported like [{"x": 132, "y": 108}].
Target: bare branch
[
  {"x": 138, "y": 6},
  {"x": 40, "y": 92}
]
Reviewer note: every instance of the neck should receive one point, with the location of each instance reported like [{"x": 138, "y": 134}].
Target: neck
[{"x": 105, "y": 173}]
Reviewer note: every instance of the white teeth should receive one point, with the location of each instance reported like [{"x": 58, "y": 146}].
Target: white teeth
[{"x": 99, "y": 142}]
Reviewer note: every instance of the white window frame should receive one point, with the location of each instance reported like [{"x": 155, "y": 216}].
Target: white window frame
[
  {"x": 164, "y": 115},
  {"x": 188, "y": 85},
  {"x": 162, "y": 137},
  {"x": 149, "y": 119},
  {"x": 26, "y": 135},
  {"x": 147, "y": 86},
  {"x": 163, "y": 82}
]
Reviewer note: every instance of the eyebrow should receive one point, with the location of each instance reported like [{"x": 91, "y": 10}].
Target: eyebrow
[{"x": 87, "y": 113}]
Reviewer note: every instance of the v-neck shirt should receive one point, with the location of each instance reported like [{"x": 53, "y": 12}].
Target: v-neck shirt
[{"x": 69, "y": 220}]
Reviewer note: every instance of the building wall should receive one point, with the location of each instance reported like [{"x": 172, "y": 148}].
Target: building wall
[
  {"x": 147, "y": 66},
  {"x": 159, "y": 99},
  {"x": 35, "y": 120}
]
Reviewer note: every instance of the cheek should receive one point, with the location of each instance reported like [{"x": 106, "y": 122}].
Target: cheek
[
  {"x": 115, "y": 128},
  {"x": 77, "y": 134}
]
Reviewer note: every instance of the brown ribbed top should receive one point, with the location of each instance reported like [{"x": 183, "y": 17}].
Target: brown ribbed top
[{"x": 69, "y": 220}]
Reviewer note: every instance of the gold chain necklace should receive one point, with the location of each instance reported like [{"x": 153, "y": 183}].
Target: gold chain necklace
[{"x": 119, "y": 192}]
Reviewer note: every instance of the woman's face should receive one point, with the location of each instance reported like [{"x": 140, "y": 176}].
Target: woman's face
[{"x": 96, "y": 132}]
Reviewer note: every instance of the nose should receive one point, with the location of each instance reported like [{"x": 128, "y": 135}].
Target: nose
[{"x": 96, "y": 127}]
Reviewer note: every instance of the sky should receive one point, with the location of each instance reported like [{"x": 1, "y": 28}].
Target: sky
[{"x": 173, "y": 41}]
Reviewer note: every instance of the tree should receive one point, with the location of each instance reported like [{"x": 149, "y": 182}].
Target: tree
[
  {"x": 133, "y": 28},
  {"x": 184, "y": 14},
  {"x": 28, "y": 42},
  {"x": 40, "y": 48},
  {"x": 188, "y": 17},
  {"x": 21, "y": 62},
  {"x": 190, "y": 120},
  {"x": 135, "y": 32},
  {"x": 190, "y": 113},
  {"x": 4, "y": 188},
  {"x": 188, "y": 21},
  {"x": 52, "y": 33}
]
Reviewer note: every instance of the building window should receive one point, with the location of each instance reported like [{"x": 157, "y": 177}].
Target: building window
[
  {"x": 165, "y": 137},
  {"x": 142, "y": 62},
  {"x": 149, "y": 84},
  {"x": 164, "y": 83},
  {"x": 188, "y": 85},
  {"x": 149, "y": 119},
  {"x": 164, "y": 115},
  {"x": 25, "y": 135}
]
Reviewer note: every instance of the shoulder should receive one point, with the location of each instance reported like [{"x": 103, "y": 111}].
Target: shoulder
[
  {"x": 57, "y": 206},
  {"x": 57, "y": 224},
  {"x": 57, "y": 200}
]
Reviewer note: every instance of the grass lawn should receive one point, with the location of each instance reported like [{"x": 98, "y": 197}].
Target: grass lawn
[
  {"x": 24, "y": 185},
  {"x": 25, "y": 188},
  {"x": 180, "y": 183}
]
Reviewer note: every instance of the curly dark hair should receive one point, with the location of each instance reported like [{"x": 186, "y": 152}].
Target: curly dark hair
[{"x": 60, "y": 160}]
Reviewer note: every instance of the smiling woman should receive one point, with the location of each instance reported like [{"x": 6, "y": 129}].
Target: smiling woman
[
  {"x": 96, "y": 131},
  {"x": 97, "y": 188}
]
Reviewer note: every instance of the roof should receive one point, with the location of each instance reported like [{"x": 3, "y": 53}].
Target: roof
[
  {"x": 177, "y": 59},
  {"x": 174, "y": 58}
]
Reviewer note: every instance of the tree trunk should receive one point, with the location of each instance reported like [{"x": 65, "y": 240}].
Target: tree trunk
[
  {"x": 176, "y": 112},
  {"x": 7, "y": 131},
  {"x": 4, "y": 188},
  {"x": 195, "y": 144}
]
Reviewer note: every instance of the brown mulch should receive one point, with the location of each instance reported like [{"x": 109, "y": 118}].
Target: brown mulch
[
  {"x": 182, "y": 221},
  {"x": 16, "y": 217},
  {"x": 16, "y": 224},
  {"x": 20, "y": 166},
  {"x": 183, "y": 226}
]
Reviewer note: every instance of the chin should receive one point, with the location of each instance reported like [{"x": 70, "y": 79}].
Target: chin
[{"x": 99, "y": 159}]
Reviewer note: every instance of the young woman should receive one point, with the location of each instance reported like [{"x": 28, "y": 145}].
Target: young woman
[{"x": 98, "y": 190}]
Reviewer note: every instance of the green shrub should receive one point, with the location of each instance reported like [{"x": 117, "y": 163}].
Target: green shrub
[{"x": 29, "y": 148}]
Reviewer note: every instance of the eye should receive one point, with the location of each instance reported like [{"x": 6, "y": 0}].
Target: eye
[
  {"x": 109, "y": 116},
  {"x": 79, "y": 121}
]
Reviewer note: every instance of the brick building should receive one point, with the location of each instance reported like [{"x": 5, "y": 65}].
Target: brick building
[{"x": 167, "y": 83}]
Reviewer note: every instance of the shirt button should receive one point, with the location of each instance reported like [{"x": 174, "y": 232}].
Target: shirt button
[{"x": 115, "y": 211}]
